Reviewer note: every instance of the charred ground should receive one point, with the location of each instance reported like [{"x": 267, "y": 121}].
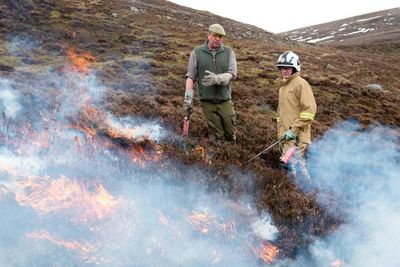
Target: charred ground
[{"x": 142, "y": 49}]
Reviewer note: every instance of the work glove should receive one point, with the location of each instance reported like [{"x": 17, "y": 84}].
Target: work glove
[
  {"x": 289, "y": 134},
  {"x": 219, "y": 79},
  {"x": 188, "y": 101}
]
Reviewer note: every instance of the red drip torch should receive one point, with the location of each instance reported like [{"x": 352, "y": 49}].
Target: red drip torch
[
  {"x": 288, "y": 155},
  {"x": 185, "y": 130}
]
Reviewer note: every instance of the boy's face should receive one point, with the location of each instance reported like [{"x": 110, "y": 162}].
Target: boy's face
[{"x": 286, "y": 71}]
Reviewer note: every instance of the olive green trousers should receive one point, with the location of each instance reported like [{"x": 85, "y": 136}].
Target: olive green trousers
[{"x": 221, "y": 119}]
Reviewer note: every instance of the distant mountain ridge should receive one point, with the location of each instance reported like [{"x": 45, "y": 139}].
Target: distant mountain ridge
[{"x": 377, "y": 27}]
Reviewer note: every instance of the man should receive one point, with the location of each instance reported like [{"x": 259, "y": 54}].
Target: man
[
  {"x": 296, "y": 111},
  {"x": 213, "y": 66}
]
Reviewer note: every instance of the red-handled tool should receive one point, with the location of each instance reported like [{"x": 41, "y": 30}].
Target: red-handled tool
[{"x": 186, "y": 123}]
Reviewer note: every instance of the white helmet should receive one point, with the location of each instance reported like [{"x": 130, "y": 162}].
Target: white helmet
[{"x": 289, "y": 59}]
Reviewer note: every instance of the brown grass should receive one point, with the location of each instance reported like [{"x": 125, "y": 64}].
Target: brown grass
[{"x": 142, "y": 62}]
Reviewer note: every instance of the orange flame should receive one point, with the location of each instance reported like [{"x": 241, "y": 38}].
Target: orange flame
[
  {"x": 128, "y": 133},
  {"x": 47, "y": 195},
  {"x": 90, "y": 132},
  {"x": 94, "y": 121},
  {"x": 137, "y": 151},
  {"x": 80, "y": 62},
  {"x": 205, "y": 223},
  {"x": 199, "y": 151},
  {"x": 139, "y": 155},
  {"x": 83, "y": 248},
  {"x": 201, "y": 221},
  {"x": 267, "y": 252}
]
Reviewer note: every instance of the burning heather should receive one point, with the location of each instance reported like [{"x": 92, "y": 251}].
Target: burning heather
[{"x": 79, "y": 187}]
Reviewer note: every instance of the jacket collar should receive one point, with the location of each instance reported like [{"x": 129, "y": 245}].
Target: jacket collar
[{"x": 293, "y": 76}]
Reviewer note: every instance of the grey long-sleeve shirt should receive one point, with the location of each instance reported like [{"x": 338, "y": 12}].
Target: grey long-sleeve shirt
[{"x": 192, "y": 66}]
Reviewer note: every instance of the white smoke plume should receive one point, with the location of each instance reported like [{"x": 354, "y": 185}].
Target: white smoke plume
[
  {"x": 9, "y": 105},
  {"x": 264, "y": 227},
  {"x": 356, "y": 172},
  {"x": 71, "y": 198},
  {"x": 137, "y": 127}
]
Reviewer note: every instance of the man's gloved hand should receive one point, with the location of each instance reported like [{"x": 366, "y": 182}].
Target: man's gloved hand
[
  {"x": 289, "y": 134},
  {"x": 219, "y": 79},
  {"x": 188, "y": 101}
]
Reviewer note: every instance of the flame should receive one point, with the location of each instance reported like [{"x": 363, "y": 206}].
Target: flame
[
  {"x": 89, "y": 131},
  {"x": 139, "y": 155},
  {"x": 89, "y": 117},
  {"x": 137, "y": 142},
  {"x": 139, "y": 149},
  {"x": 83, "y": 248},
  {"x": 47, "y": 195},
  {"x": 203, "y": 222},
  {"x": 267, "y": 252},
  {"x": 80, "y": 62},
  {"x": 199, "y": 151},
  {"x": 127, "y": 133}
]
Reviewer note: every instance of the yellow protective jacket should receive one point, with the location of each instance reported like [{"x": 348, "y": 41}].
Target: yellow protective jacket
[{"x": 296, "y": 108}]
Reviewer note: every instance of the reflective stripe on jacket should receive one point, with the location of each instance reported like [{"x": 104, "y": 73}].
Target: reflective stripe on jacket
[{"x": 296, "y": 108}]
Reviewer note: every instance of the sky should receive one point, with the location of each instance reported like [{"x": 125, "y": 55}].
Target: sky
[{"x": 280, "y": 16}]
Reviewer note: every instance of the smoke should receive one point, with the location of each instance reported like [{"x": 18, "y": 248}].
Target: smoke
[
  {"x": 21, "y": 47},
  {"x": 70, "y": 197},
  {"x": 356, "y": 172},
  {"x": 9, "y": 105},
  {"x": 264, "y": 228},
  {"x": 137, "y": 127},
  {"x": 71, "y": 91}
]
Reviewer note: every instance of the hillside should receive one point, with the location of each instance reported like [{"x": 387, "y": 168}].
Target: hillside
[
  {"x": 85, "y": 69},
  {"x": 372, "y": 28}
]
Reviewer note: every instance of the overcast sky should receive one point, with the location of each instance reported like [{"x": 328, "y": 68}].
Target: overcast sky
[{"x": 279, "y": 16}]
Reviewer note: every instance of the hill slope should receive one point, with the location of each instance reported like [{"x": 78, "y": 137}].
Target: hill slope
[
  {"x": 377, "y": 27},
  {"x": 141, "y": 50}
]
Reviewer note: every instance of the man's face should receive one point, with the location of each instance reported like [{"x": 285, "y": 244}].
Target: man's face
[
  {"x": 286, "y": 71},
  {"x": 214, "y": 40}
]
